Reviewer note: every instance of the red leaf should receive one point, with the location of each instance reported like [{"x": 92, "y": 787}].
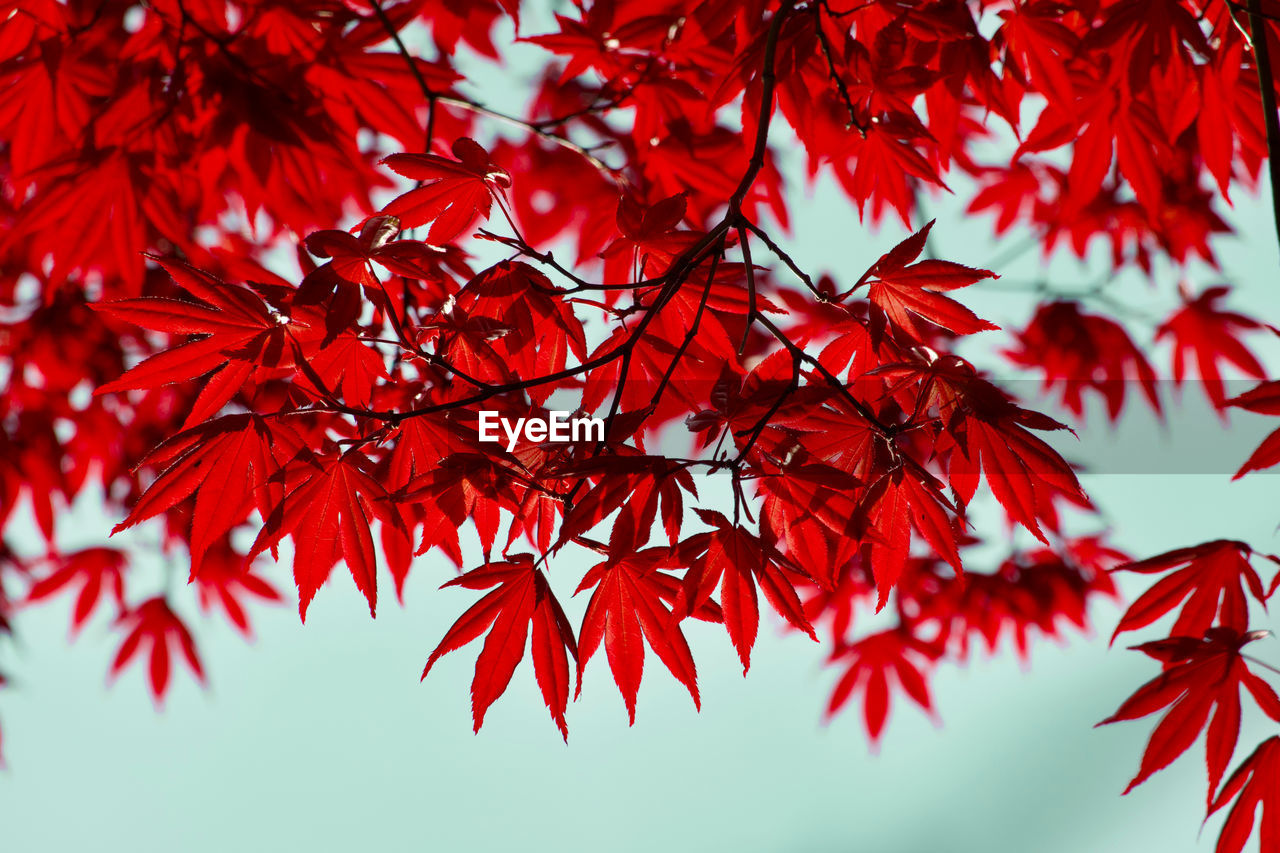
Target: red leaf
[
  {"x": 99, "y": 570},
  {"x": 626, "y": 610},
  {"x": 1256, "y": 782},
  {"x": 1204, "y": 676},
  {"x": 737, "y": 560},
  {"x": 1201, "y": 331},
  {"x": 1208, "y": 582},
  {"x": 329, "y": 514},
  {"x": 871, "y": 661},
  {"x": 225, "y": 464},
  {"x": 522, "y": 598},
  {"x": 452, "y": 192},
  {"x": 237, "y": 326},
  {"x": 901, "y": 290},
  {"x": 153, "y": 624}
]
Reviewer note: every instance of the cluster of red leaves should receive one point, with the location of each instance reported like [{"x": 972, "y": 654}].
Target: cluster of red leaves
[
  {"x": 339, "y": 409},
  {"x": 844, "y": 478},
  {"x": 1204, "y": 671},
  {"x": 939, "y": 613}
]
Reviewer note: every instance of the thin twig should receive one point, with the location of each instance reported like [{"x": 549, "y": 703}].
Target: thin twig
[
  {"x": 781, "y": 255},
  {"x": 435, "y": 98},
  {"x": 854, "y": 122},
  {"x": 1267, "y": 87}
]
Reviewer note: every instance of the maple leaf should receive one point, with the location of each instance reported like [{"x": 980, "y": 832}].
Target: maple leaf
[
  {"x": 637, "y": 485},
  {"x": 226, "y": 464},
  {"x": 1031, "y": 590},
  {"x": 738, "y": 561},
  {"x": 1040, "y": 48},
  {"x": 992, "y": 436},
  {"x": 1265, "y": 400},
  {"x": 100, "y": 570},
  {"x": 810, "y": 509},
  {"x": 900, "y": 290},
  {"x": 1254, "y": 783},
  {"x": 897, "y": 502},
  {"x": 870, "y": 662},
  {"x": 1012, "y": 193},
  {"x": 626, "y": 609},
  {"x": 1150, "y": 35},
  {"x": 238, "y": 332},
  {"x": 1208, "y": 581},
  {"x": 153, "y": 623},
  {"x": 328, "y": 514},
  {"x": 1203, "y": 676},
  {"x": 522, "y": 599},
  {"x": 885, "y": 167},
  {"x": 46, "y": 97},
  {"x": 1082, "y": 352},
  {"x": 462, "y": 486},
  {"x": 535, "y": 331},
  {"x": 453, "y": 192},
  {"x": 345, "y": 366},
  {"x": 1211, "y": 336},
  {"x": 224, "y": 580},
  {"x": 650, "y": 237},
  {"x": 350, "y": 269},
  {"x": 1215, "y": 129}
]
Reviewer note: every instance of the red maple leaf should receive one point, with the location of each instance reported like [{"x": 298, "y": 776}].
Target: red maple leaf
[
  {"x": 1256, "y": 782},
  {"x": 737, "y": 561},
  {"x": 350, "y": 270},
  {"x": 1038, "y": 48},
  {"x": 1208, "y": 582},
  {"x": 329, "y": 514},
  {"x": 523, "y": 598},
  {"x": 452, "y": 192},
  {"x": 992, "y": 437},
  {"x": 900, "y": 290},
  {"x": 1212, "y": 337},
  {"x": 99, "y": 570},
  {"x": 1265, "y": 400},
  {"x": 226, "y": 464},
  {"x": 225, "y": 581},
  {"x": 628, "y": 608},
  {"x": 869, "y": 664},
  {"x": 238, "y": 333},
  {"x": 1203, "y": 676},
  {"x": 1081, "y": 352},
  {"x": 154, "y": 624}
]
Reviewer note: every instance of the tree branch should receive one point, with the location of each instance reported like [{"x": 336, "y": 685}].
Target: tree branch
[{"x": 1267, "y": 87}]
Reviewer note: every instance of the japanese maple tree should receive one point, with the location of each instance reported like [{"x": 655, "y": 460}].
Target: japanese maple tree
[{"x": 266, "y": 268}]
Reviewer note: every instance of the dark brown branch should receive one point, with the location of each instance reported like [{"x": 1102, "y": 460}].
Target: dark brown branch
[
  {"x": 768, "y": 82},
  {"x": 1233, "y": 4},
  {"x": 781, "y": 255},
  {"x": 745, "y": 243},
  {"x": 834, "y": 73},
  {"x": 427, "y": 92},
  {"x": 834, "y": 381},
  {"x": 758, "y": 429},
  {"x": 693, "y": 327},
  {"x": 1267, "y": 87}
]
